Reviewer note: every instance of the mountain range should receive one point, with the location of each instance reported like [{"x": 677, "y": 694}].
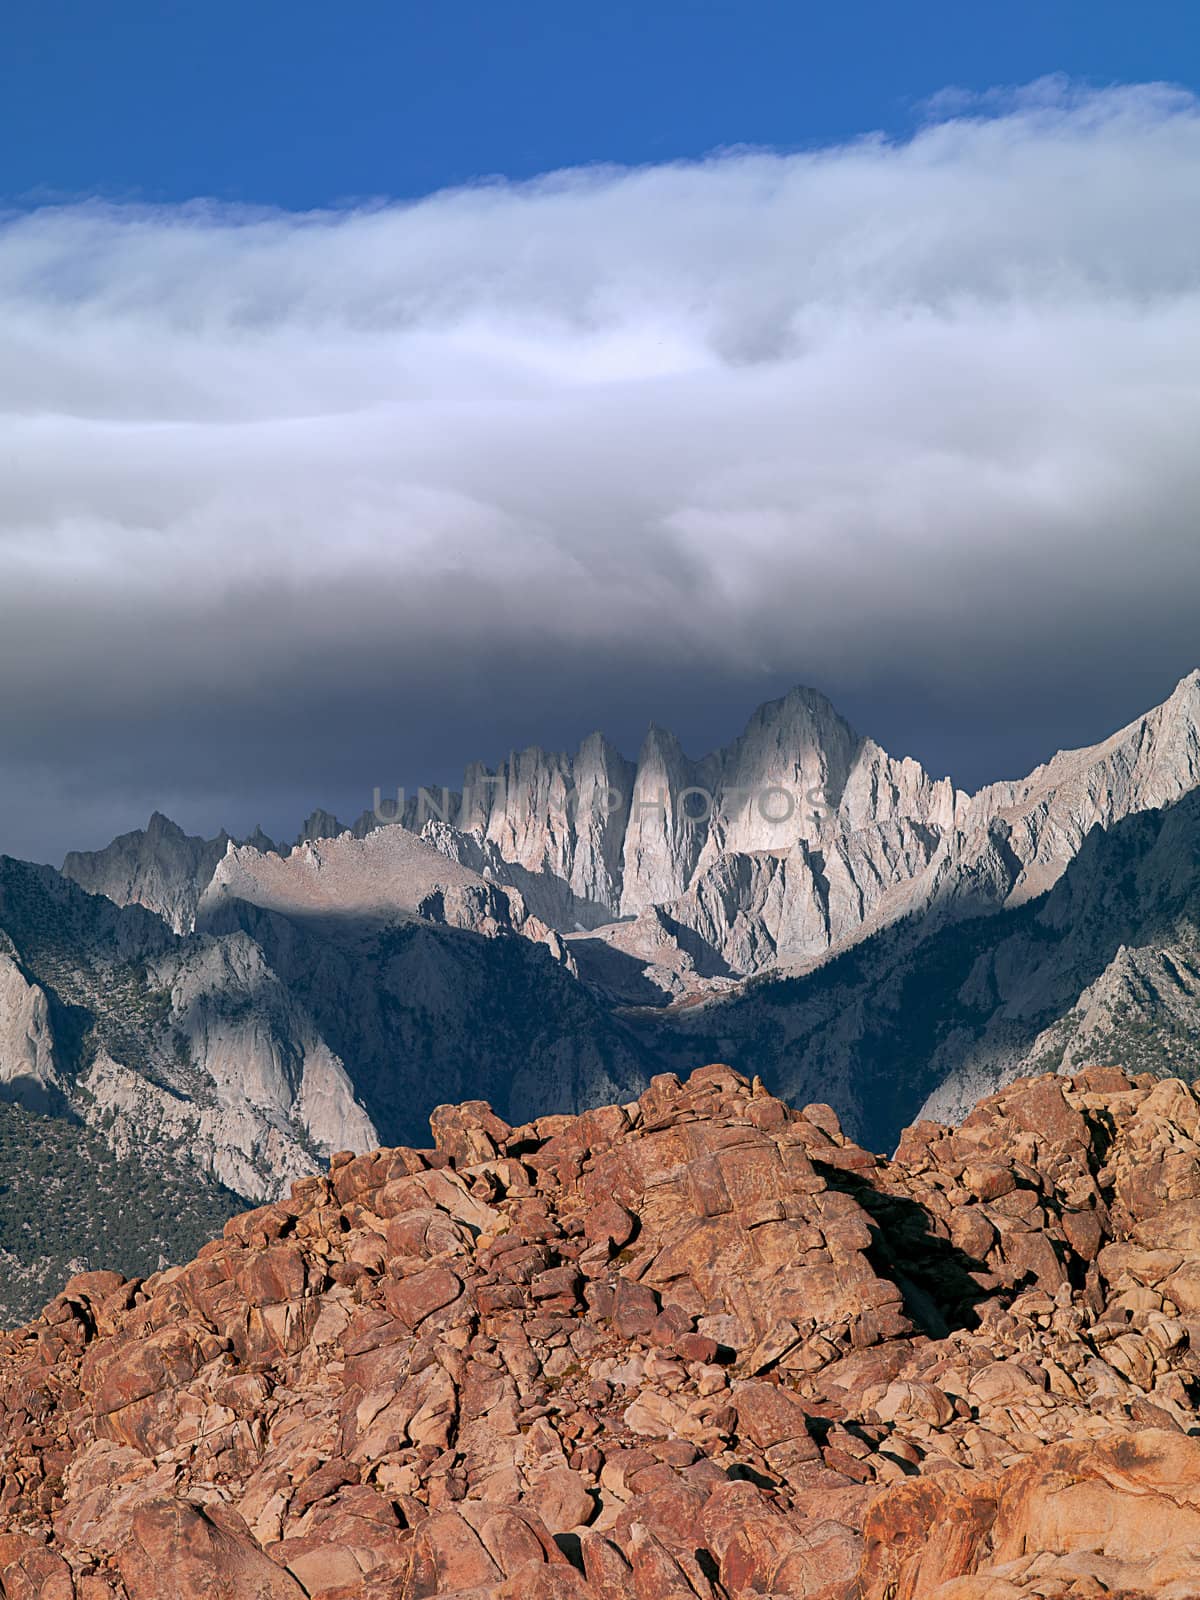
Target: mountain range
[{"x": 199, "y": 1023}]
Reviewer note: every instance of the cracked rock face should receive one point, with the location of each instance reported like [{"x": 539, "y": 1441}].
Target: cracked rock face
[{"x": 694, "y": 1347}]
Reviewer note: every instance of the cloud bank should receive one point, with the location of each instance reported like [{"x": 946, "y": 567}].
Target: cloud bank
[{"x": 296, "y": 504}]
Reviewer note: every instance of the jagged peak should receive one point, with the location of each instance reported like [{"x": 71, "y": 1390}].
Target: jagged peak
[
  {"x": 659, "y": 745},
  {"x": 320, "y": 824},
  {"x": 1186, "y": 692},
  {"x": 800, "y": 697},
  {"x": 599, "y": 741},
  {"x": 1182, "y": 704},
  {"x": 162, "y": 826}
]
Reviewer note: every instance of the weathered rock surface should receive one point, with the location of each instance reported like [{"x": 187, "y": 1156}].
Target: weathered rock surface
[
  {"x": 158, "y": 866},
  {"x": 386, "y": 877},
  {"x": 648, "y": 960},
  {"x": 694, "y": 1347},
  {"x": 775, "y": 848},
  {"x": 252, "y": 1091},
  {"x": 185, "y": 1053},
  {"x": 927, "y": 1017},
  {"x": 422, "y": 1012},
  {"x": 27, "y": 1070},
  {"x": 389, "y": 872}
]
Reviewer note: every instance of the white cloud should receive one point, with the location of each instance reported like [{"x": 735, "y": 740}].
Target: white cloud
[{"x": 870, "y": 412}]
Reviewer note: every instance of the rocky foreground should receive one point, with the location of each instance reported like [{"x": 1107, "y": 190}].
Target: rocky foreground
[{"x": 698, "y": 1347}]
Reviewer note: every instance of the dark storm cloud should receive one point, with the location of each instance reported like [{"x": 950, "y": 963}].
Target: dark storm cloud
[{"x": 291, "y": 506}]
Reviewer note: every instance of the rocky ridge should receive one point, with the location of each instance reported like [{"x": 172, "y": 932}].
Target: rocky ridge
[
  {"x": 789, "y": 845},
  {"x": 798, "y": 839},
  {"x": 382, "y": 878},
  {"x": 776, "y": 847},
  {"x": 159, "y": 867},
  {"x": 424, "y": 1009},
  {"x": 928, "y": 1016},
  {"x": 188, "y": 1050},
  {"x": 698, "y": 1346}
]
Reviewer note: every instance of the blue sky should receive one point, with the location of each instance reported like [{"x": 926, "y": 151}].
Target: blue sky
[{"x": 305, "y": 104}]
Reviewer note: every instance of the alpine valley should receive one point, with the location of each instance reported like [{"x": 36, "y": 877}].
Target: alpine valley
[{"x": 188, "y": 1026}]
